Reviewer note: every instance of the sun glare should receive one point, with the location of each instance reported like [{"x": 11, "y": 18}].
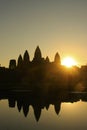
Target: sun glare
[{"x": 69, "y": 62}]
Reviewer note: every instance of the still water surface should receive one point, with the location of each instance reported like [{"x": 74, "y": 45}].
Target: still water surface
[{"x": 72, "y": 116}]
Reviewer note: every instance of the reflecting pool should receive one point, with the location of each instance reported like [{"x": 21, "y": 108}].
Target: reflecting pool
[{"x": 65, "y": 112}]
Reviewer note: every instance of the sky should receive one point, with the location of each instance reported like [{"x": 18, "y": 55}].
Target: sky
[{"x": 55, "y": 25}]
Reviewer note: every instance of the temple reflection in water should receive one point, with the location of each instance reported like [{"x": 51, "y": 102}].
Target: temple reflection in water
[{"x": 24, "y": 100}]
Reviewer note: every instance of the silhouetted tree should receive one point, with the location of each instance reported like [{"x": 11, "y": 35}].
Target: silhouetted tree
[
  {"x": 57, "y": 59},
  {"x": 20, "y": 61},
  {"x": 12, "y": 64}
]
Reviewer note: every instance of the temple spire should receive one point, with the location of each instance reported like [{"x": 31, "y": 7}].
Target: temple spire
[
  {"x": 37, "y": 55},
  {"x": 57, "y": 59}
]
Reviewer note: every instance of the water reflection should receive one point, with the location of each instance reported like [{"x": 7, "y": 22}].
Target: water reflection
[{"x": 39, "y": 101}]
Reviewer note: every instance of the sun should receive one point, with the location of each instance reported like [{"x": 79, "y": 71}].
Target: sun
[{"x": 69, "y": 62}]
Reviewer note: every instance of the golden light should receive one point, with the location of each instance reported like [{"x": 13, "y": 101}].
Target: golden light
[{"x": 69, "y": 62}]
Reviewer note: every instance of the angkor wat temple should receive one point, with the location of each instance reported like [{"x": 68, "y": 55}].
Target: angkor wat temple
[
  {"x": 25, "y": 63},
  {"x": 42, "y": 75}
]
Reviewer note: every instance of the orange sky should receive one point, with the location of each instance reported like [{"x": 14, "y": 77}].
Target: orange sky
[{"x": 54, "y": 25}]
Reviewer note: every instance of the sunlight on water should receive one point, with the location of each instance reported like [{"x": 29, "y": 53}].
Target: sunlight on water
[{"x": 72, "y": 116}]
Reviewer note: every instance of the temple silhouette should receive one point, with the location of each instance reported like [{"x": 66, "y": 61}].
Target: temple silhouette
[
  {"x": 40, "y": 74},
  {"x": 40, "y": 83},
  {"x": 25, "y": 63}
]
